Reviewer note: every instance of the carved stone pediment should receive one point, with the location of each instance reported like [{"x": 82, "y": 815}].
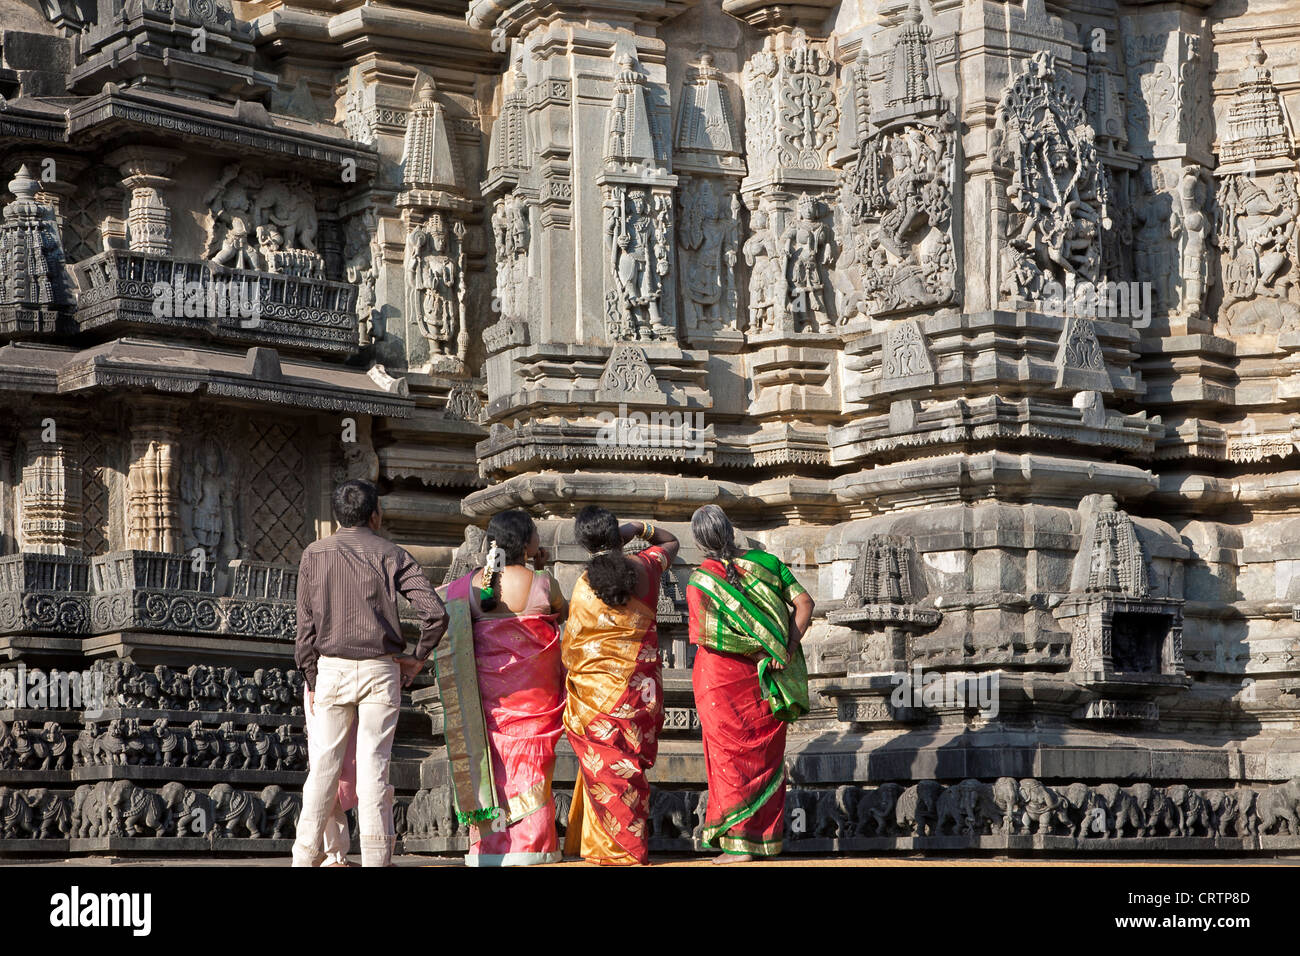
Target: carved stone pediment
[{"x": 628, "y": 376}]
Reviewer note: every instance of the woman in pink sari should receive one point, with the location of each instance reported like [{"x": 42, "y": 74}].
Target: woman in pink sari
[{"x": 502, "y": 689}]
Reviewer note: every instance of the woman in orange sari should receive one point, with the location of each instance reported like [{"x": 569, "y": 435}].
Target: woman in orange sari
[
  {"x": 747, "y": 616},
  {"x": 614, "y": 711},
  {"x": 502, "y": 690}
]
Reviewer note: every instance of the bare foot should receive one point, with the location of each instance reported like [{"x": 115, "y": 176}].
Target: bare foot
[{"x": 725, "y": 858}]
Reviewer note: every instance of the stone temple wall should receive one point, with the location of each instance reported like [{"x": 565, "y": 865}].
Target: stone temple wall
[{"x": 984, "y": 316}]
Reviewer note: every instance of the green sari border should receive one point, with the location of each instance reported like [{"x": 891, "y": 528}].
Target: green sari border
[
  {"x": 739, "y": 846},
  {"x": 710, "y": 834},
  {"x": 751, "y": 621},
  {"x": 464, "y": 723}
]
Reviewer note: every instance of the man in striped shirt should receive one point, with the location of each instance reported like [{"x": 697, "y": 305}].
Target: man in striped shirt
[{"x": 351, "y": 652}]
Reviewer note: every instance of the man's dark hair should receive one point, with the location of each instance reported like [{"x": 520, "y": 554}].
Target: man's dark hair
[{"x": 354, "y": 502}]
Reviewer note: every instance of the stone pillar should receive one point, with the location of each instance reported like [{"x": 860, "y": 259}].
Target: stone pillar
[
  {"x": 434, "y": 210},
  {"x": 7, "y": 495},
  {"x": 51, "y": 488},
  {"x": 146, "y": 172},
  {"x": 153, "y": 521},
  {"x": 707, "y": 156},
  {"x": 1171, "y": 128}
]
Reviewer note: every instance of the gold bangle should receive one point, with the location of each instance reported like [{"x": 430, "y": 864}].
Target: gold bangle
[{"x": 647, "y": 531}]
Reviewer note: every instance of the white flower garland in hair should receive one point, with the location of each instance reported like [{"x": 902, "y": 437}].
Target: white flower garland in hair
[{"x": 493, "y": 565}]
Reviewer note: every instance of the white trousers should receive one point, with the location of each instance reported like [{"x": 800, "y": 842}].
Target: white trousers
[{"x": 368, "y": 693}]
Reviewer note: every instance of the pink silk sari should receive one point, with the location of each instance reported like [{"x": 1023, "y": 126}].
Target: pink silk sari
[{"x": 520, "y": 688}]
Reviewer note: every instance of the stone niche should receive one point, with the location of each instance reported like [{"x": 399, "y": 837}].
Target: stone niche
[{"x": 1126, "y": 630}]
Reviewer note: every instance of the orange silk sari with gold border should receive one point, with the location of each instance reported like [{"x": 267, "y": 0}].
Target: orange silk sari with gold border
[{"x": 613, "y": 716}]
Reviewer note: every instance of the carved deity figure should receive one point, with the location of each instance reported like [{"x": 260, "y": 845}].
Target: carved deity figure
[
  {"x": 636, "y": 235},
  {"x": 433, "y": 274},
  {"x": 290, "y": 207},
  {"x": 232, "y": 222},
  {"x": 1257, "y": 234},
  {"x": 1153, "y": 255},
  {"x": 895, "y": 214},
  {"x": 510, "y": 240},
  {"x": 766, "y": 275},
  {"x": 362, "y": 260},
  {"x": 206, "y": 493},
  {"x": 708, "y": 234},
  {"x": 1190, "y": 225},
  {"x": 807, "y": 247},
  {"x": 1059, "y": 192},
  {"x": 259, "y": 223}
]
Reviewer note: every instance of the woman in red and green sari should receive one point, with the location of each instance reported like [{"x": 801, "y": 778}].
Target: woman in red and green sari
[
  {"x": 614, "y": 710},
  {"x": 502, "y": 689},
  {"x": 747, "y": 616}
]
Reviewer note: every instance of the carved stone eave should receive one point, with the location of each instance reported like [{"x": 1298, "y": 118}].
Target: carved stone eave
[
  {"x": 418, "y": 34},
  {"x": 811, "y": 15},
  {"x": 26, "y": 118},
  {"x": 960, "y": 477},
  {"x": 566, "y": 380},
  {"x": 500, "y": 181},
  {"x": 675, "y": 496},
  {"x": 258, "y": 375},
  {"x": 1036, "y": 361},
  {"x": 1250, "y": 449},
  {"x": 238, "y": 130},
  {"x": 955, "y": 425},
  {"x": 423, "y": 199},
  {"x": 909, "y": 617},
  {"x": 1193, "y": 439},
  {"x": 776, "y": 444},
  {"x": 512, "y": 17},
  {"x": 540, "y": 445},
  {"x": 151, "y": 44},
  {"x": 439, "y": 468}
]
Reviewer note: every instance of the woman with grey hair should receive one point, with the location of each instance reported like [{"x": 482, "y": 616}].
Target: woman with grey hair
[{"x": 747, "y": 616}]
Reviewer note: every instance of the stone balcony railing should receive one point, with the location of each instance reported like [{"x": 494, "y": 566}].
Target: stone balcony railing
[
  {"x": 121, "y": 291},
  {"x": 43, "y": 572},
  {"x": 145, "y": 591}
]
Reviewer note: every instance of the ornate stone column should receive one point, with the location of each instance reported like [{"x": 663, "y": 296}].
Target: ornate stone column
[
  {"x": 146, "y": 171},
  {"x": 707, "y": 157},
  {"x": 792, "y": 335},
  {"x": 1171, "y": 128},
  {"x": 8, "y": 535},
  {"x": 153, "y": 522},
  {"x": 584, "y": 207},
  {"x": 50, "y": 519}
]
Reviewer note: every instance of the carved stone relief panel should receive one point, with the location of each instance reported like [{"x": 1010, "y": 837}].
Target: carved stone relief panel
[
  {"x": 1258, "y": 203},
  {"x": 1058, "y": 190}
]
